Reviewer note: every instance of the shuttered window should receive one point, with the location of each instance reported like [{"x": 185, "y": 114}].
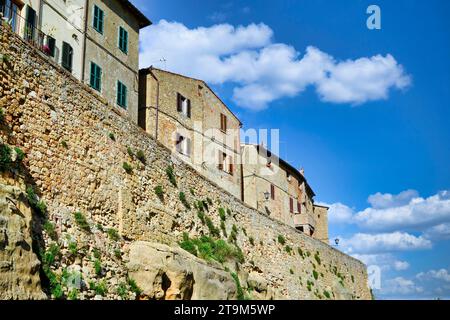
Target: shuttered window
[
  {"x": 123, "y": 40},
  {"x": 223, "y": 122},
  {"x": 291, "y": 205},
  {"x": 183, "y": 145},
  {"x": 99, "y": 17},
  {"x": 183, "y": 105},
  {"x": 299, "y": 207},
  {"x": 67, "y": 56},
  {"x": 231, "y": 168},
  {"x": 51, "y": 44},
  {"x": 121, "y": 94},
  {"x": 96, "y": 77}
]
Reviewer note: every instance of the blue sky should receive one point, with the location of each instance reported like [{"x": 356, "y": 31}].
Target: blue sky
[{"x": 374, "y": 123}]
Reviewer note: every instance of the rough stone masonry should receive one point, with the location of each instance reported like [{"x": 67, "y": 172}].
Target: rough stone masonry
[{"x": 83, "y": 156}]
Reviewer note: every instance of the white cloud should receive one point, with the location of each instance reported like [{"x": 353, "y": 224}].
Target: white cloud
[
  {"x": 339, "y": 213},
  {"x": 417, "y": 214},
  {"x": 362, "y": 243},
  {"x": 401, "y": 286},
  {"x": 263, "y": 71},
  {"x": 401, "y": 265},
  {"x": 387, "y": 200},
  {"x": 442, "y": 275},
  {"x": 438, "y": 232}
]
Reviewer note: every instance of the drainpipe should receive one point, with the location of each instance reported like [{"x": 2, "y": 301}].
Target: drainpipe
[
  {"x": 157, "y": 102},
  {"x": 83, "y": 59}
]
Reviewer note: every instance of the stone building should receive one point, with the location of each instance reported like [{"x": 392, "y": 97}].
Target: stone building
[
  {"x": 95, "y": 40},
  {"x": 185, "y": 115},
  {"x": 274, "y": 187}
]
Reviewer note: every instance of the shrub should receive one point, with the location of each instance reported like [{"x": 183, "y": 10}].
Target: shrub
[
  {"x": 240, "y": 291},
  {"x": 210, "y": 202},
  {"x": 171, "y": 176},
  {"x": 222, "y": 215},
  {"x": 160, "y": 193},
  {"x": 223, "y": 227},
  {"x": 133, "y": 287},
  {"x": 209, "y": 249},
  {"x": 2, "y": 115},
  {"x": 281, "y": 240},
  {"x": 99, "y": 227},
  {"x": 81, "y": 221},
  {"x": 229, "y": 212},
  {"x": 20, "y": 154},
  {"x": 50, "y": 229},
  {"x": 141, "y": 156},
  {"x": 184, "y": 201},
  {"x": 300, "y": 252},
  {"x": 122, "y": 291},
  {"x": 127, "y": 167},
  {"x": 353, "y": 279},
  {"x": 233, "y": 236},
  {"x": 192, "y": 192},
  {"x": 252, "y": 241},
  {"x": 73, "y": 294},
  {"x": 5, "y": 157},
  {"x": 308, "y": 253},
  {"x": 118, "y": 253},
  {"x": 212, "y": 228},
  {"x": 291, "y": 271},
  {"x": 235, "y": 229},
  {"x": 317, "y": 257},
  {"x": 130, "y": 152},
  {"x": 50, "y": 255},
  {"x": 73, "y": 248},
  {"x": 315, "y": 274},
  {"x": 113, "y": 234},
  {"x": 244, "y": 231},
  {"x": 99, "y": 288},
  {"x": 112, "y": 136},
  {"x": 205, "y": 205},
  {"x": 201, "y": 216},
  {"x": 288, "y": 249},
  {"x": 96, "y": 253},
  {"x": 64, "y": 144},
  {"x": 98, "y": 267}
]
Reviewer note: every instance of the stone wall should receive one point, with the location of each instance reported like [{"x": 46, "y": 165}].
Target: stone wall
[{"x": 76, "y": 145}]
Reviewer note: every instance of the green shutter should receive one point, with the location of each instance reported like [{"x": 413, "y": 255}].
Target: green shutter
[
  {"x": 98, "y": 19},
  {"x": 123, "y": 40},
  {"x": 96, "y": 77},
  {"x": 121, "y": 95}
]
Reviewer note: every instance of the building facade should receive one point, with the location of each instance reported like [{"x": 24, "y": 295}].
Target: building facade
[
  {"x": 185, "y": 115},
  {"x": 274, "y": 187},
  {"x": 95, "y": 40}
]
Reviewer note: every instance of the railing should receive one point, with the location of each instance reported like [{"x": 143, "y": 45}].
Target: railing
[{"x": 26, "y": 30}]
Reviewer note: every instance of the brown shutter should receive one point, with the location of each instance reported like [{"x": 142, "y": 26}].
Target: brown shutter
[
  {"x": 179, "y": 109},
  {"x": 231, "y": 169},
  {"x": 291, "y": 205},
  {"x": 189, "y": 108},
  {"x": 299, "y": 207},
  {"x": 272, "y": 191}
]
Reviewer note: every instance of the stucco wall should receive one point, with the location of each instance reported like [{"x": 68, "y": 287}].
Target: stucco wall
[{"x": 44, "y": 106}]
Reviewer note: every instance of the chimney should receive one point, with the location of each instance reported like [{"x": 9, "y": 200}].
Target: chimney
[{"x": 302, "y": 171}]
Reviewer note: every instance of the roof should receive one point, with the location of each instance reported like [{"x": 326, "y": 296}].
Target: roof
[
  {"x": 289, "y": 168},
  {"x": 143, "y": 20},
  {"x": 148, "y": 70}
]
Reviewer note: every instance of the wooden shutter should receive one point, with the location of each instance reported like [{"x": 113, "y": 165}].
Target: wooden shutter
[
  {"x": 291, "y": 205},
  {"x": 179, "y": 108},
  {"x": 189, "y": 108},
  {"x": 231, "y": 168},
  {"x": 272, "y": 191},
  {"x": 299, "y": 207},
  {"x": 188, "y": 146},
  {"x": 67, "y": 55},
  {"x": 220, "y": 166}
]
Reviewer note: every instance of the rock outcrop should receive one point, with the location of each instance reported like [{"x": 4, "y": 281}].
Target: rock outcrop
[{"x": 19, "y": 265}]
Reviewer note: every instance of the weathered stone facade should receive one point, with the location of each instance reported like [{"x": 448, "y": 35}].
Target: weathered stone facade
[
  {"x": 160, "y": 117},
  {"x": 275, "y": 188},
  {"x": 76, "y": 146}
]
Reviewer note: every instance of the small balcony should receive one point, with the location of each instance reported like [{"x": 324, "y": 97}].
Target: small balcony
[{"x": 304, "y": 219}]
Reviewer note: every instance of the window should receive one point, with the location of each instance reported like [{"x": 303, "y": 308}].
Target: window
[
  {"x": 99, "y": 17},
  {"x": 223, "y": 122},
  {"x": 225, "y": 163},
  {"x": 299, "y": 208},
  {"x": 51, "y": 44},
  {"x": 96, "y": 77},
  {"x": 291, "y": 205},
  {"x": 272, "y": 192},
  {"x": 183, "y": 145},
  {"x": 67, "y": 56},
  {"x": 183, "y": 105},
  {"x": 123, "y": 40},
  {"x": 121, "y": 94}
]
